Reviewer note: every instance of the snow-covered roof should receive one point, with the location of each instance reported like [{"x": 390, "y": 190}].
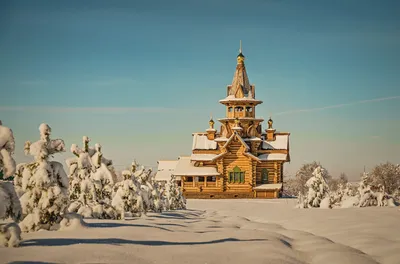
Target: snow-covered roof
[
  {"x": 273, "y": 156},
  {"x": 252, "y": 156},
  {"x": 232, "y": 98},
  {"x": 252, "y": 139},
  {"x": 165, "y": 169},
  {"x": 240, "y": 139},
  {"x": 200, "y": 141},
  {"x": 280, "y": 142},
  {"x": 271, "y": 186},
  {"x": 202, "y": 157},
  {"x": 186, "y": 168},
  {"x": 240, "y": 119}
]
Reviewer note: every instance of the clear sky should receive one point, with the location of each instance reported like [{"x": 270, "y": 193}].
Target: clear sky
[{"x": 140, "y": 76}]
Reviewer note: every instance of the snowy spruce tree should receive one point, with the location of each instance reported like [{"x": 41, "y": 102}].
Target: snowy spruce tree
[
  {"x": 10, "y": 207},
  {"x": 127, "y": 196},
  {"x": 174, "y": 195},
  {"x": 366, "y": 195},
  {"x": 297, "y": 185},
  {"x": 318, "y": 190},
  {"x": 44, "y": 184},
  {"x": 7, "y": 146},
  {"x": 91, "y": 182},
  {"x": 164, "y": 197},
  {"x": 155, "y": 188},
  {"x": 150, "y": 194}
]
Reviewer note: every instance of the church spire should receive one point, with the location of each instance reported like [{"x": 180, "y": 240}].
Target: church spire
[
  {"x": 240, "y": 57},
  {"x": 240, "y": 87}
]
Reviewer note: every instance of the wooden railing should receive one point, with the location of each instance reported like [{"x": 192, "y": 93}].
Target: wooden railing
[{"x": 200, "y": 184}]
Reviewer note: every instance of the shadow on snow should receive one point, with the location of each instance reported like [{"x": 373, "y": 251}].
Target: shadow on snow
[
  {"x": 112, "y": 225},
  {"x": 31, "y": 262},
  {"x": 118, "y": 242}
]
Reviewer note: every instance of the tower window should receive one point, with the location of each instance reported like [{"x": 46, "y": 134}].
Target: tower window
[
  {"x": 238, "y": 109},
  {"x": 249, "y": 109},
  {"x": 230, "y": 109}
]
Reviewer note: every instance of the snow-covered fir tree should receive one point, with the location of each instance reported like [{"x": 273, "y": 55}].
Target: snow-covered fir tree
[
  {"x": 164, "y": 197},
  {"x": 150, "y": 194},
  {"x": 296, "y": 185},
  {"x": 127, "y": 196},
  {"x": 91, "y": 182},
  {"x": 366, "y": 196},
  {"x": 155, "y": 188},
  {"x": 44, "y": 184},
  {"x": 318, "y": 190},
  {"x": 7, "y": 146},
  {"x": 103, "y": 182},
  {"x": 337, "y": 195},
  {"x": 10, "y": 207},
  {"x": 174, "y": 195}
]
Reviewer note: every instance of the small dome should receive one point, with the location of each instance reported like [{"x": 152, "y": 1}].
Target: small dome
[{"x": 270, "y": 122}]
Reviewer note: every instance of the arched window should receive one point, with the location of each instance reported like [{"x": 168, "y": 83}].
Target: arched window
[
  {"x": 236, "y": 176},
  {"x": 249, "y": 109},
  {"x": 238, "y": 109},
  {"x": 264, "y": 176},
  {"x": 230, "y": 109}
]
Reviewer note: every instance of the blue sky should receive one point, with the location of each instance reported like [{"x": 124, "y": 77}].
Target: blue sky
[{"x": 139, "y": 77}]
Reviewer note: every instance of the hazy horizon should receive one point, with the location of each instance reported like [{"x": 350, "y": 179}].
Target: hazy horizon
[{"x": 140, "y": 78}]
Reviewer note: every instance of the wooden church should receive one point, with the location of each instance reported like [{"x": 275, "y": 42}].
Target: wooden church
[{"x": 238, "y": 161}]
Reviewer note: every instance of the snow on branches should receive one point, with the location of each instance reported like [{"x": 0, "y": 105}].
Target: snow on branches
[
  {"x": 345, "y": 195},
  {"x": 7, "y": 145},
  {"x": 127, "y": 197},
  {"x": 43, "y": 184},
  {"x": 10, "y": 207},
  {"x": 318, "y": 191},
  {"x": 176, "y": 200},
  {"x": 91, "y": 181}
]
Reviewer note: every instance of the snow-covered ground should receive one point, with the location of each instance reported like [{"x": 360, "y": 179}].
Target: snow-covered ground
[{"x": 224, "y": 231}]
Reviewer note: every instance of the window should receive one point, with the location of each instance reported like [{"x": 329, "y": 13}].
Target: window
[
  {"x": 249, "y": 109},
  {"x": 236, "y": 176},
  {"x": 189, "y": 179},
  {"x": 264, "y": 176},
  {"x": 230, "y": 109},
  {"x": 201, "y": 179},
  {"x": 238, "y": 109},
  {"x": 211, "y": 179}
]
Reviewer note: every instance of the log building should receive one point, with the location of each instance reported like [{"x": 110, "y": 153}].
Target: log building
[{"x": 238, "y": 161}]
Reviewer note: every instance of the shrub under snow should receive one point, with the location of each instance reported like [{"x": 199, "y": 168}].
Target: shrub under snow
[
  {"x": 10, "y": 235},
  {"x": 10, "y": 207},
  {"x": 72, "y": 221},
  {"x": 44, "y": 184}
]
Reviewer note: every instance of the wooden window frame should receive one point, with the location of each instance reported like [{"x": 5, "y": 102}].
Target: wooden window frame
[
  {"x": 262, "y": 176},
  {"x": 236, "y": 176}
]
